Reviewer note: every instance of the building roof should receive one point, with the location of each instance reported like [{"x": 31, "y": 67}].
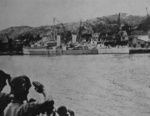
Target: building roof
[{"x": 143, "y": 37}]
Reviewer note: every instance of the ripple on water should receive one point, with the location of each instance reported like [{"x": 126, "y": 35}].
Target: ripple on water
[{"x": 94, "y": 85}]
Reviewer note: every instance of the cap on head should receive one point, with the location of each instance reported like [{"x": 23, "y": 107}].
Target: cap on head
[
  {"x": 62, "y": 110},
  {"x": 20, "y": 84}
]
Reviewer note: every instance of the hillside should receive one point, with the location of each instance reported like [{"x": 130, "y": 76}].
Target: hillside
[{"x": 99, "y": 24}]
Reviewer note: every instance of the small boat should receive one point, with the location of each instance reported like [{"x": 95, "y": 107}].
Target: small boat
[
  {"x": 54, "y": 51},
  {"x": 113, "y": 50},
  {"x": 80, "y": 52},
  {"x": 38, "y": 51}
]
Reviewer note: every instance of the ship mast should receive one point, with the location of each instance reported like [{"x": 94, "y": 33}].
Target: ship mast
[
  {"x": 64, "y": 28},
  {"x": 119, "y": 22},
  {"x": 54, "y": 28},
  {"x": 80, "y": 31},
  {"x": 148, "y": 19},
  {"x": 147, "y": 12}
]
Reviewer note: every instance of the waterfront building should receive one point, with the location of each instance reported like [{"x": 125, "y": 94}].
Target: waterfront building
[{"x": 139, "y": 41}]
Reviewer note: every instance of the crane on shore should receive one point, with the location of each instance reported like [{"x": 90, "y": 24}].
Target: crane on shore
[
  {"x": 66, "y": 35},
  {"x": 64, "y": 29},
  {"x": 55, "y": 19}
]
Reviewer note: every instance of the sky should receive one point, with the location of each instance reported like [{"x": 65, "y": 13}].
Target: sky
[{"x": 36, "y": 13}]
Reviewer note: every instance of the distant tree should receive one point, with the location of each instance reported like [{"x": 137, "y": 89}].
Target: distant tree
[{"x": 145, "y": 24}]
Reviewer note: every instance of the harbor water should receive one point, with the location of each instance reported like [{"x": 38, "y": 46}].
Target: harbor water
[{"x": 90, "y": 85}]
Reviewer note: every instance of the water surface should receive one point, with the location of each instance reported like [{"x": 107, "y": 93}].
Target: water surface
[{"x": 91, "y": 85}]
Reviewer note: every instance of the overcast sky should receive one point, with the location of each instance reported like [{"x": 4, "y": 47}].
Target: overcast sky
[{"x": 41, "y": 12}]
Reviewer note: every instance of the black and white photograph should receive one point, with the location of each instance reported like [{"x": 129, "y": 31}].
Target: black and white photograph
[{"x": 74, "y": 57}]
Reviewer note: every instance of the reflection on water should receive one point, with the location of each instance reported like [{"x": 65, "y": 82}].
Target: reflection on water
[{"x": 91, "y": 85}]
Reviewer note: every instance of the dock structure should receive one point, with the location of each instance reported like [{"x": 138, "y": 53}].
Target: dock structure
[
  {"x": 55, "y": 52},
  {"x": 139, "y": 50}
]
